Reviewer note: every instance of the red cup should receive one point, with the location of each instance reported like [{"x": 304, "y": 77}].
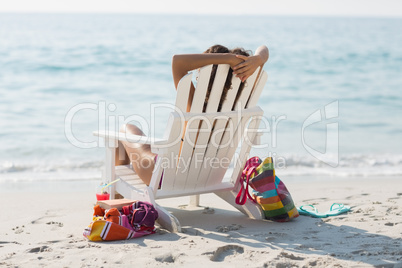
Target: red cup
[{"x": 102, "y": 196}]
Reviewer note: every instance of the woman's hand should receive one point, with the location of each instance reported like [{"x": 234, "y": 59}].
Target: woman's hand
[
  {"x": 234, "y": 61},
  {"x": 245, "y": 69}
]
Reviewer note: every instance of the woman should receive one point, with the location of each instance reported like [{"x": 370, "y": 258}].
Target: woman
[{"x": 243, "y": 66}]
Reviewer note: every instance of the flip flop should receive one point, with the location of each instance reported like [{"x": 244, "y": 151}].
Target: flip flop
[
  {"x": 337, "y": 209},
  {"x": 310, "y": 210}
]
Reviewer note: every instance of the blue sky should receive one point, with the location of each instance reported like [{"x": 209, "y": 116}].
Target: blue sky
[{"x": 371, "y": 8}]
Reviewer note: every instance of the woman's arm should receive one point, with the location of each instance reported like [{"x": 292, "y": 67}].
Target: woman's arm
[
  {"x": 246, "y": 68},
  {"x": 182, "y": 64}
]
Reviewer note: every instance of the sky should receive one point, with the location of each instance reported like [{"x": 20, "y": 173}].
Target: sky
[{"x": 359, "y": 8}]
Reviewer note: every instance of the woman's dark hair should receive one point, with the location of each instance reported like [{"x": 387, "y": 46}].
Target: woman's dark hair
[
  {"x": 228, "y": 82},
  {"x": 239, "y": 51},
  {"x": 217, "y": 49}
]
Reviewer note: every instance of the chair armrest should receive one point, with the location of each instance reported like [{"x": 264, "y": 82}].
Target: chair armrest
[{"x": 129, "y": 138}]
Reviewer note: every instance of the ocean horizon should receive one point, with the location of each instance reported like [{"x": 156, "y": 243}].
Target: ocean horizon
[{"x": 115, "y": 65}]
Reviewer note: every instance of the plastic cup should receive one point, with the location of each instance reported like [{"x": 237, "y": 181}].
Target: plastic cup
[{"x": 102, "y": 196}]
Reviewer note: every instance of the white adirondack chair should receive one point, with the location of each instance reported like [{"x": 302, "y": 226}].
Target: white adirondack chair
[{"x": 206, "y": 135}]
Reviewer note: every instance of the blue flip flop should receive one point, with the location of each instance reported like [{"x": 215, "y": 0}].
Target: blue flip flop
[
  {"x": 337, "y": 209},
  {"x": 310, "y": 210}
]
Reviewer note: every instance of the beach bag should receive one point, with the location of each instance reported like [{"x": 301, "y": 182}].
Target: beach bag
[
  {"x": 132, "y": 221},
  {"x": 267, "y": 190}
]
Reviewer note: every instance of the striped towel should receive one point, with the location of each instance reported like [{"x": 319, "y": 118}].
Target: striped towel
[{"x": 132, "y": 221}]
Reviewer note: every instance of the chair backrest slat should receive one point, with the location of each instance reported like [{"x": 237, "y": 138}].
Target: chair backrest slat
[
  {"x": 217, "y": 88},
  {"x": 231, "y": 95},
  {"x": 190, "y": 136},
  {"x": 167, "y": 161},
  {"x": 228, "y": 146},
  {"x": 245, "y": 149},
  {"x": 201, "y": 89},
  {"x": 183, "y": 92},
  {"x": 245, "y": 93},
  {"x": 198, "y": 161},
  {"x": 256, "y": 93}
]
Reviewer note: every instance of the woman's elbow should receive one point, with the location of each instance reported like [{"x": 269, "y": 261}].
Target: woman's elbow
[
  {"x": 176, "y": 59},
  {"x": 264, "y": 52}
]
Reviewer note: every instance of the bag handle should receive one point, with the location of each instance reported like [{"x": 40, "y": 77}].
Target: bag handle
[
  {"x": 242, "y": 200},
  {"x": 248, "y": 171}
]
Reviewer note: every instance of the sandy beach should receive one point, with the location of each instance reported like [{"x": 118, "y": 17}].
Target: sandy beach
[{"x": 44, "y": 228}]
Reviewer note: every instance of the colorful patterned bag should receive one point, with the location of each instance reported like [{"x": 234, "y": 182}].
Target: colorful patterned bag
[{"x": 267, "y": 189}]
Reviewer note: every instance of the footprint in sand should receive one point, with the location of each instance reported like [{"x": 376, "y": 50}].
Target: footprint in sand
[
  {"x": 208, "y": 210},
  {"x": 18, "y": 229},
  {"x": 48, "y": 214},
  {"x": 168, "y": 257},
  {"x": 9, "y": 255},
  {"x": 356, "y": 196},
  {"x": 392, "y": 208},
  {"x": 315, "y": 201},
  {"x": 192, "y": 231},
  {"x": 10, "y": 242},
  {"x": 39, "y": 249},
  {"x": 290, "y": 256},
  {"x": 271, "y": 238},
  {"x": 60, "y": 224},
  {"x": 227, "y": 228},
  {"x": 278, "y": 234},
  {"x": 229, "y": 250}
]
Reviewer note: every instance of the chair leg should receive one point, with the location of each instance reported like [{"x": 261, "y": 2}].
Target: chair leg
[
  {"x": 250, "y": 209},
  {"x": 110, "y": 173},
  {"x": 195, "y": 200},
  {"x": 167, "y": 220}
]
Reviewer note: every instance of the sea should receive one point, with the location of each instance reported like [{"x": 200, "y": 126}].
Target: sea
[{"x": 332, "y": 103}]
